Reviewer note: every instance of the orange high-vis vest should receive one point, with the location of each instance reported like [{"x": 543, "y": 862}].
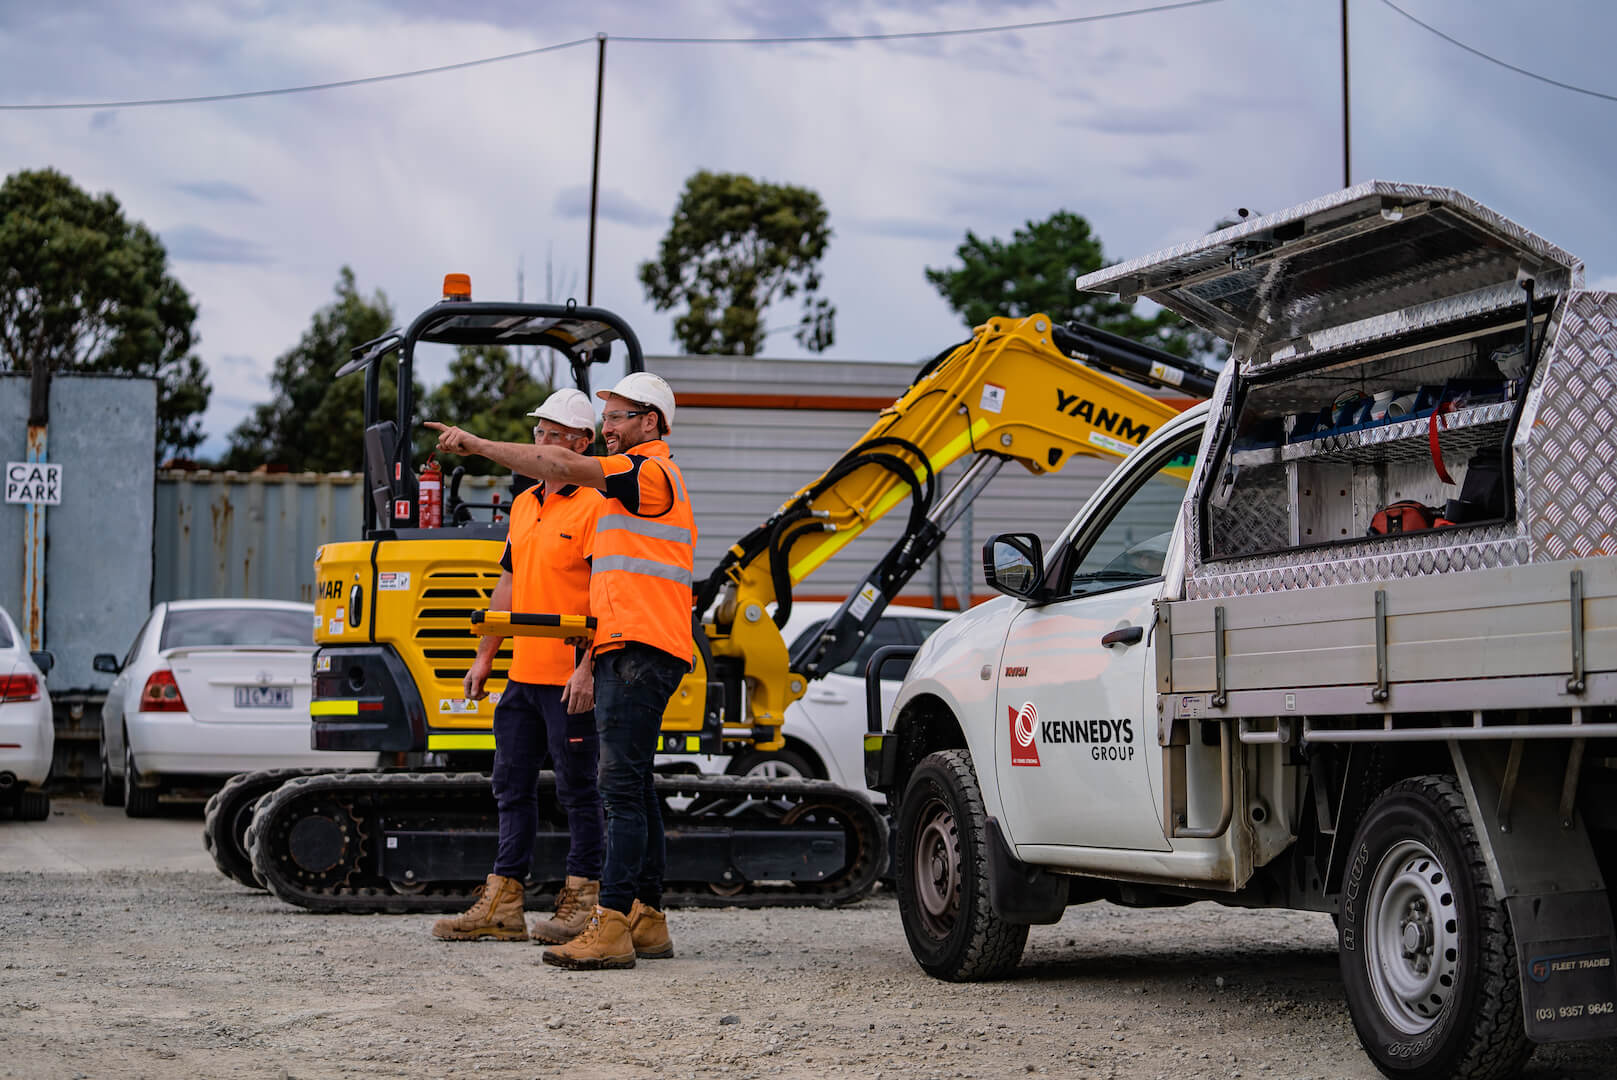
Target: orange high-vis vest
[{"x": 640, "y": 581}]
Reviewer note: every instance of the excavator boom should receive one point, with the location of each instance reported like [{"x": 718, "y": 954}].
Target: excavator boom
[{"x": 1023, "y": 390}]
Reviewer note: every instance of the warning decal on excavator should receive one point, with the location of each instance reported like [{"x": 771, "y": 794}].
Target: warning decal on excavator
[
  {"x": 993, "y": 399},
  {"x": 861, "y": 603}
]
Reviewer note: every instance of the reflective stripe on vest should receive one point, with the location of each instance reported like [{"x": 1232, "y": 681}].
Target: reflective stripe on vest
[
  {"x": 649, "y": 567},
  {"x": 655, "y": 529}
]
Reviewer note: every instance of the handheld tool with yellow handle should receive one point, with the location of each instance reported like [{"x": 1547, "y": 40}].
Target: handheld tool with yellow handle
[{"x": 525, "y": 624}]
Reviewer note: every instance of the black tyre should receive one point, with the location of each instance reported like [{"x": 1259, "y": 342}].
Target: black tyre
[
  {"x": 779, "y": 764},
  {"x": 224, "y": 835},
  {"x": 942, "y": 860},
  {"x": 1428, "y": 960},
  {"x": 112, "y": 787},
  {"x": 33, "y": 806},
  {"x": 139, "y": 802}
]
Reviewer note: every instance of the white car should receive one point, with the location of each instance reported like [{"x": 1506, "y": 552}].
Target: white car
[
  {"x": 825, "y": 728},
  {"x": 209, "y": 689},
  {"x": 27, "y": 735}
]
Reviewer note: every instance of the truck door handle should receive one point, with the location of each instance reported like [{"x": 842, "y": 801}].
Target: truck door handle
[
  {"x": 1124, "y": 635},
  {"x": 828, "y": 699}
]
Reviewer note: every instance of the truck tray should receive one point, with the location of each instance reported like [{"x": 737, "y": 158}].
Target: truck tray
[{"x": 1485, "y": 640}]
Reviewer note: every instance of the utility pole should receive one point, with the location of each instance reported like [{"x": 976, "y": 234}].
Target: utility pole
[
  {"x": 1347, "y": 128},
  {"x": 595, "y": 169},
  {"x": 33, "y": 570}
]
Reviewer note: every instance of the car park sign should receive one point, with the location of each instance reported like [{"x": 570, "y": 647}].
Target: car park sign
[{"x": 33, "y": 482}]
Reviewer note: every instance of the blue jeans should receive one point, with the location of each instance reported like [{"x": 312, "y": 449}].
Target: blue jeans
[
  {"x": 529, "y": 721},
  {"x": 632, "y": 688}
]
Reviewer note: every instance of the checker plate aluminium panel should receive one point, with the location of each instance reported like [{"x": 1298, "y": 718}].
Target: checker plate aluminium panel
[
  {"x": 1377, "y": 262},
  {"x": 1369, "y": 262},
  {"x": 1566, "y": 454}
]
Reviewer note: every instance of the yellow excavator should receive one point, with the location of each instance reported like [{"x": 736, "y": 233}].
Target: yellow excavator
[{"x": 395, "y": 635}]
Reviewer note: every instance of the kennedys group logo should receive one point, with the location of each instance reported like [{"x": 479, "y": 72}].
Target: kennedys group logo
[{"x": 1024, "y": 750}]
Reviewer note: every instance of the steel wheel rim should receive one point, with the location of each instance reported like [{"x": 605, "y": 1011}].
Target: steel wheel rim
[
  {"x": 776, "y": 770},
  {"x": 936, "y": 868},
  {"x": 1412, "y": 945}
]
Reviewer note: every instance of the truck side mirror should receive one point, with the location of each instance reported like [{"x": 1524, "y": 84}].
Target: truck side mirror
[
  {"x": 106, "y": 662},
  {"x": 1013, "y": 563},
  {"x": 44, "y": 660}
]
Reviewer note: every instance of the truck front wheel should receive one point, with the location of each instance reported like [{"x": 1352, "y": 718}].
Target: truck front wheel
[
  {"x": 942, "y": 862},
  {"x": 1428, "y": 960}
]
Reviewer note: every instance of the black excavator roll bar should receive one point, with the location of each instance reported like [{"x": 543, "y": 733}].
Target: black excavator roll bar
[{"x": 582, "y": 334}]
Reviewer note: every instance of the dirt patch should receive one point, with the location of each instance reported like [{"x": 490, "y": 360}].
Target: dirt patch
[{"x": 183, "y": 974}]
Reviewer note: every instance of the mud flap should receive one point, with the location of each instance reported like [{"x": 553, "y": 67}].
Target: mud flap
[
  {"x": 1018, "y": 892},
  {"x": 1545, "y": 870}
]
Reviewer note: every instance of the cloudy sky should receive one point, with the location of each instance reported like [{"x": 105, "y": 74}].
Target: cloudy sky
[{"x": 1152, "y": 127}]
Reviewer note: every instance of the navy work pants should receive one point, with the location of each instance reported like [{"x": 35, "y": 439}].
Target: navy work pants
[
  {"x": 632, "y": 688},
  {"x": 529, "y": 721}
]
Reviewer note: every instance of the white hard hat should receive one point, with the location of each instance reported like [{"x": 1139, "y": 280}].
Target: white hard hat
[
  {"x": 644, "y": 388},
  {"x": 569, "y": 408}
]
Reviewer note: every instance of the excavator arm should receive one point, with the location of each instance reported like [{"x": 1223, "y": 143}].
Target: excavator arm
[{"x": 1024, "y": 390}]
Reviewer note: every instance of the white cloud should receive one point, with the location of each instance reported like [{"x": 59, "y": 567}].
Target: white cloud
[{"x": 1152, "y": 127}]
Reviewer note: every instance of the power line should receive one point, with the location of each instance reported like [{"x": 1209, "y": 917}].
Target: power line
[
  {"x": 296, "y": 89},
  {"x": 833, "y": 38},
  {"x": 820, "y": 39},
  {"x": 1496, "y": 60}
]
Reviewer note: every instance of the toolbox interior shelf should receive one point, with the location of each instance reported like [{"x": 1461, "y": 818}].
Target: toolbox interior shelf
[{"x": 1460, "y": 432}]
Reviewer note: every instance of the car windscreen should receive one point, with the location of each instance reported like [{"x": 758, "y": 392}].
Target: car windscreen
[
  {"x": 202, "y": 627},
  {"x": 5, "y": 635}
]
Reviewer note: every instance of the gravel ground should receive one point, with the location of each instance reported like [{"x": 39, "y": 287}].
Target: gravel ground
[{"x": 169, "y": 974}]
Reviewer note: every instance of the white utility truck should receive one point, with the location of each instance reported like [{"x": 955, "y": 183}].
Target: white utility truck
[{"x": 1342, "y": 639}]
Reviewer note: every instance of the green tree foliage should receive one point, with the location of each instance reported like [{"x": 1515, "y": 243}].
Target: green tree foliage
[
  {"x": 316, "y": 422},
  {"x": 487, "y": 392},
  {"x": 84, "y": 289},
  {"x": 735, "y": 246},
  {"x": 1034, "y": 271}
]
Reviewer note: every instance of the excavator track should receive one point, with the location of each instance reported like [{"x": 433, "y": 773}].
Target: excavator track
[
  {"x": 422, "y": 842},
  {"x": 230, "y": 811}
]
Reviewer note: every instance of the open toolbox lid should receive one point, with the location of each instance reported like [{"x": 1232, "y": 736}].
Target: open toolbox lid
[{"x": 1373, "y": 249}]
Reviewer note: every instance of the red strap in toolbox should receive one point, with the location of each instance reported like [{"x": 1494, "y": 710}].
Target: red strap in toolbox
[{"x": 1431, "y": 439}]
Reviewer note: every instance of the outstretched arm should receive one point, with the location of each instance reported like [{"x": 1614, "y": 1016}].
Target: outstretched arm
[{"x": 553, "y": 464}]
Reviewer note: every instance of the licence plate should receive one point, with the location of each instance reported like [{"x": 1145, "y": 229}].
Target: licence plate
[{"x": 263, "y": 697}]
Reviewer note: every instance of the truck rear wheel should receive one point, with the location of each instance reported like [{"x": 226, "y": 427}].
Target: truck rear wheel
[
  {"x": 942, "y": 861},
  {"x": 1428, "y": 960}
]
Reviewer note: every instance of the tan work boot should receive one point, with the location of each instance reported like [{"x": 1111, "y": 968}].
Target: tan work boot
[
  {"x": 648, "y": 929},
  {"x": 497, "y": 914},
  {"x": 574, "y": 906},
  {"x": 603, "y": 943}
]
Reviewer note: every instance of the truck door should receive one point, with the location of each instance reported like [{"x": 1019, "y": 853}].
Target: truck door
[{"x": 1076, "y": 717}]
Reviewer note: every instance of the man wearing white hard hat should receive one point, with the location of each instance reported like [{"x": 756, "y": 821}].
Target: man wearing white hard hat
[
  {"x": 640, "y": 596},
  {"x": 546, "y": 569}
]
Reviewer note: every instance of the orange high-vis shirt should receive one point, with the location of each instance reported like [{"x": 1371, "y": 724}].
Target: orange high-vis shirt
[{"x": 548, "y": 551}]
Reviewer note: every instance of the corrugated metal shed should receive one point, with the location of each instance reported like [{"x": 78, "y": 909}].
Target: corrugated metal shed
[{"x": 749, "y": 432}]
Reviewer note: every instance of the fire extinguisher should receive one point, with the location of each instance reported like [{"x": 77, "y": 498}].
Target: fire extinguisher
[{"x": 431, "y": 509}]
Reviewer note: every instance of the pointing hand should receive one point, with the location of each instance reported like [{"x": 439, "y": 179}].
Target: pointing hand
[{"x": 452, "y": 440}]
